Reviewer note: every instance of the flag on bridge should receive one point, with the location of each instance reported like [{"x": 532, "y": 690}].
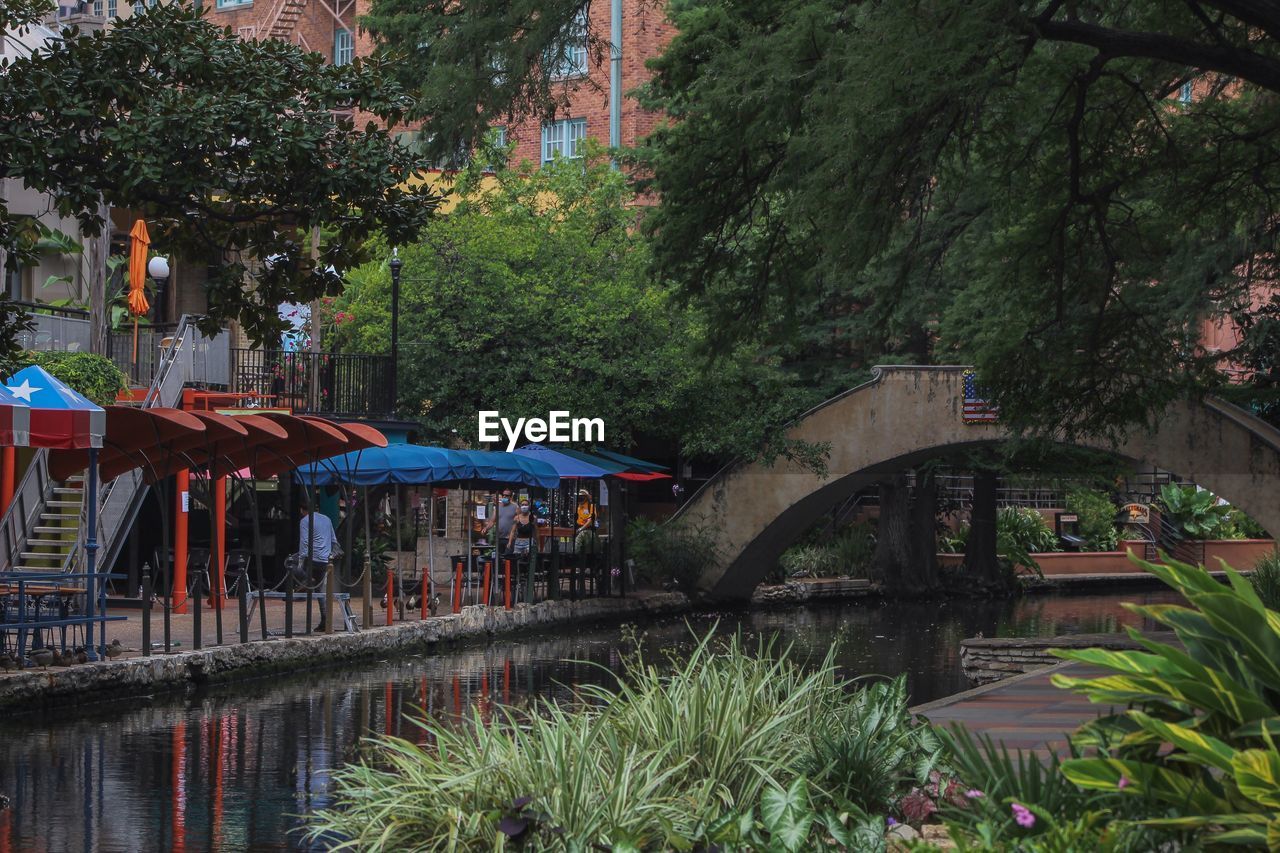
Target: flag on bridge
[{"x": 976, "y": 410}]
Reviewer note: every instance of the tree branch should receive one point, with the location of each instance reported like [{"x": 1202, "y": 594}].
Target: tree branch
[{"x": 1244, "y": 64}]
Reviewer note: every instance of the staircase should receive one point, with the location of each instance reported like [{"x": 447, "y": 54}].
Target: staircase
[
  {"x": 45, "y": 525},
  {"x": 282, "y": 21}
]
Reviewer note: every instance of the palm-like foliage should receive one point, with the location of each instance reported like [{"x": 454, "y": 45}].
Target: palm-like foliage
[{"x": 1200, "y": 734}]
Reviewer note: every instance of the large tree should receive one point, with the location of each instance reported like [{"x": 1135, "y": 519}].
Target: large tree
[
  {"x": 1061, "y": 192},
  {"x": 234, "y": 150},
  {"x": 534, "y": 294}
]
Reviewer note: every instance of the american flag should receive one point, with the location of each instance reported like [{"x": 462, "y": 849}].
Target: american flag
[{"x": 976, "y": 410}]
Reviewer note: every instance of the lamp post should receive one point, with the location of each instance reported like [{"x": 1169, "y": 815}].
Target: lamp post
[
  {"x": 396, "y": 264},
  {"x": 158, "y": 269}
]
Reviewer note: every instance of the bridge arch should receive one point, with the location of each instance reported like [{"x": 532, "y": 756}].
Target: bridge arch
[{"x": 906, "y": 415}]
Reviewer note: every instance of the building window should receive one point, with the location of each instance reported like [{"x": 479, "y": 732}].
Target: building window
[
  {"x": 97, "y": 8},
  {"x": 563, "y": 138},
  {"x": 497, "y": 141},
  {"x": 569, "y": 57},
  {"x": 1184, "y": 93},
  {"x": 139, "y": 7},
  {"x": 112, "y": 11},
  {"x": 231, "y": 4},
  {"x": 344, "y": 47}
]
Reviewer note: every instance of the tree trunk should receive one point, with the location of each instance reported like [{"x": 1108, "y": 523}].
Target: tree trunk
[
  {"x": 99, "y": 248},
  {"x": 924, "y": 531},
  {"x": 892, "y": 563},
  {"x": 980, "y": 558}
]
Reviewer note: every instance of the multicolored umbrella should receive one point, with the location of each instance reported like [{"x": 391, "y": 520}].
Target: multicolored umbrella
[
  {"x": 139, "y": 243},
  {"x": 60, "y": 417},
  {"x": 15, "y": 420}
]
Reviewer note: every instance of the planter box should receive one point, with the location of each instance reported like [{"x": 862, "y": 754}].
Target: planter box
[{"x": 1237, "y": 553}]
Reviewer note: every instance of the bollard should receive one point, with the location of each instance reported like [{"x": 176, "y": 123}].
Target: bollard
[
  {"x": 242, "y": 599},
  {"x": 146, "y": 610},
  {"x": 366, "y": 592},
  {"x": 288, "y": 602},
  {"x": 197, "y": 638},
  {"x": 457, "y": 586},
  {"x": 506, "y": 570},
  {"x": 391, "y": 596}
]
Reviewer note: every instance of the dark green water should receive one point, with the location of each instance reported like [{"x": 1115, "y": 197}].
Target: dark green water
[{"x": 233, "y": 767}]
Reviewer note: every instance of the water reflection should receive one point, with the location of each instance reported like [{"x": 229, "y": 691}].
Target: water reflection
[{"x": 231, "y": 768}]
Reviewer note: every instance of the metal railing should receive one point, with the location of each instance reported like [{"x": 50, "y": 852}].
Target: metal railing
[
  {"x": 315, "y": 383},
  {"x": 56, "y": 329}
]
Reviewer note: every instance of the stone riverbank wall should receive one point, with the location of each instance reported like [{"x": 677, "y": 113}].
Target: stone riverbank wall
[
  {"x": 34, "y": 688},
  {"x": 986, "y": 660}
]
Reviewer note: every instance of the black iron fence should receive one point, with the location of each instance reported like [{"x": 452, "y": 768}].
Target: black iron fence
[{"x": 315, "y": 383}]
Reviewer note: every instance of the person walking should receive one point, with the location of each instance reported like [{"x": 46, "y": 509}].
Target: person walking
[
  {"x": 316, "y": 542},
  {"x": 521, "y": 536},
  {"x": 500, "y": 524}
]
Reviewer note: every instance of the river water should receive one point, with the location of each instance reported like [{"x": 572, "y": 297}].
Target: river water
[{"x": 233, "y": 767}]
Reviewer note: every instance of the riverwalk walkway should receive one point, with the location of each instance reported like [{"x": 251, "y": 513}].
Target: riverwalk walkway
[{"x": 1025, "y": 712}]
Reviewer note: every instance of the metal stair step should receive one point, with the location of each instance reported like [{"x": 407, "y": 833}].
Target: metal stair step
[
  {"x": 33, "y": 555},
  {"x": 60, "y": 515},
  {"x": 62, "y": 503},
  {"x": 42, "y": 528},
  {"x": 54, "y": 543},
  {"x": 65, "y": 490}
]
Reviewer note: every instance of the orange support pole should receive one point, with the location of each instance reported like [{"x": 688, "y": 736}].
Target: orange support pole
[
  {"x": 488, "y": 567},
  {"x": 8, "y": 477},
  {"x": 425, "y": 578},
  {"x": 181, "y": 502},
  {"x": 506, "y": 571},
  {"x": 219, "y": 540},
  {"x": 457, "y": 588}
]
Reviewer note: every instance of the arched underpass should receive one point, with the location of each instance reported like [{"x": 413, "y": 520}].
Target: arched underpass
[{"x": 906, "y": 415}]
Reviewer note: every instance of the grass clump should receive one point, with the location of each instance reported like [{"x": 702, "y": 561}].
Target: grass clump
[{"x": 731, "y": 749}]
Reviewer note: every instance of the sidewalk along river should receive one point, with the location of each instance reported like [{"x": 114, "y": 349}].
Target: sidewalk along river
[{"x": 233, "y": 767}]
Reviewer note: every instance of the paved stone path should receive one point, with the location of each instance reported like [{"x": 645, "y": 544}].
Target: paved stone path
[{"x": 1024, "y": 712}]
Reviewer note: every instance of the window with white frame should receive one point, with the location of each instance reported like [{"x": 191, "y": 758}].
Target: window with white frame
[
  {"x": 97, "y": 8},
  {"x": 497, "y": 141},
  {"x": 569, "y": 57},
  {"x": 344, "y": 47},
  {"x": 231, "y": 4},
  {"x": 1185, "y": 93},
  {"x": 563, "y": 138},
  {"x": 139, "y": 7},
  {"x": 112, "y": 11}
]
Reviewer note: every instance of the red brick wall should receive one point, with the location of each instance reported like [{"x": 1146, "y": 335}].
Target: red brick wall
[{"x": 314, "y": 30}]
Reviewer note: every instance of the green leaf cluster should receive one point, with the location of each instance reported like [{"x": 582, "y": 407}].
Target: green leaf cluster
[
  {"x": 1199, "y": 738},
  {"x": 1195, "y": 512},
  {"x": 94, "y": 376},
  {"x": 1096, "y": 518}
]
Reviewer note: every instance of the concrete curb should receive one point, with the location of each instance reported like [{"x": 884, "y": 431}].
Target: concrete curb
[{"x": 32, "y": 689}]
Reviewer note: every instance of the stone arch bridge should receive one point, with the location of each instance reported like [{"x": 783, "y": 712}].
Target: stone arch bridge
[{"x": 906, "y": 415}]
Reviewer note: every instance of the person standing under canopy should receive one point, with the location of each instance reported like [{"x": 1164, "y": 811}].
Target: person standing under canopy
[
  {"x": 316, "y": 542},
  {"x": 500, "y": 525},
  {"x": 586, "y": 511}
]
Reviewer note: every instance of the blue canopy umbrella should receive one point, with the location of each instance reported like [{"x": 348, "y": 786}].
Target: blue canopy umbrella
[
  {"x": 567, "y": 466},
  {"x": 494, "y": 466},
  {"x": 409, "y": 464}
]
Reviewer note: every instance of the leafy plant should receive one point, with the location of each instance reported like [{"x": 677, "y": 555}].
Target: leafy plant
[
  {"x": 94, "y": 376},
  {"x": 848, "y": 554},
  {"x": 709, "y": 753},
  {"x": 1242, "y": 526},
  {"x": 1195, "y": 512},
  {"x": 1020, "y": 529},
  {"x": 1096, "y": 519},
  {"x": 1199, "y": 738},
  {"x": 1266, "y": 580},
  {"x": 674, "y": 552}
]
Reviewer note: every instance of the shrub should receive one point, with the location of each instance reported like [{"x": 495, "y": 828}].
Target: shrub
[
  {"x": 1242, "y": 526},
  {"x": 709, "y": 754},
  {"x": 848, "y": 553},
  {"x": 676, "y": 551},
  {"x": 1266, "y": 580},
  {"x": 94, "y": 376},
  {"x": 1096, "y": 519},
  {"x": 1022, "y": 530},
  {"x": 1199, "y": 738},
  {"x": 1195, "y": 512}
]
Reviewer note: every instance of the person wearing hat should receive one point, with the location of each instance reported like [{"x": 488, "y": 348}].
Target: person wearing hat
[{"x": 586, "y": 511}]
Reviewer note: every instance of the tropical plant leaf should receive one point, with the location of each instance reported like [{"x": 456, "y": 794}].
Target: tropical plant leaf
[{"x": 1257, "y": 774}]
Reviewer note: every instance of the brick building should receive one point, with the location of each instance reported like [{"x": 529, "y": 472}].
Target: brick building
[{"x": 331, "y": 28}]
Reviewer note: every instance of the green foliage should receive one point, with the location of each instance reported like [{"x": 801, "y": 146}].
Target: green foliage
[
  {"x": 674, "y": 552},
  {"x": 1198, "y": 740},
  {"x": 1266, "y": 580},
  {"x": 1018, "y": 197},
  {"x": 14, "y": 321},
  {"x": 230, "y": 147},
  {"x": 709, "y": 753},
  {"x": 1241, "y": 526},
  {"x": 94, "y": 376},
  {"x": 1022, "y": 530},
  {"x": 534, "y": 295},
  {"x": 846, "y": 554},
  {"x": 1195, "y": 512},
  {"x": 1097, "y": 519}
]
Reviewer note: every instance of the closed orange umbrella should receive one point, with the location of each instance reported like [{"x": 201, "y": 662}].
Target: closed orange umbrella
[{"x": 139, "y": 242}]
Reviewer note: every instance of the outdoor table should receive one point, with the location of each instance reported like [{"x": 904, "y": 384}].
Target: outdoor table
[
  {"x": 546, "y": 533},
  {"x": 37, "y": 592}
]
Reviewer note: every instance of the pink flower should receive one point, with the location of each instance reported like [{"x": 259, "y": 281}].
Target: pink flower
[
  {"x": 1023, "y": 816},
  {"x": 974, "y": 794},
  {"x": 1123, "y": 783}
]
